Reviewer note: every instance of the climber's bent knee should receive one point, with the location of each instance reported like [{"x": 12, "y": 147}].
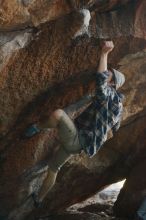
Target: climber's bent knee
[
  {"x": 57, "y": 114},
  {"x": 68, "y": 135}
]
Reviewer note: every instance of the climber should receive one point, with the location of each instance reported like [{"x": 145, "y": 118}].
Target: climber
[{"x": 89, "y": 131}]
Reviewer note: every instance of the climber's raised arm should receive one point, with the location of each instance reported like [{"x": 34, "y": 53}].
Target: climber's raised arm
[
  {"x": 107, "y": 47},
  {"x": 103, "y": 76}
]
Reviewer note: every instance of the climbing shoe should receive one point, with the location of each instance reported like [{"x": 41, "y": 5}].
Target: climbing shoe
[
  {"x": 37, "y": 203},
  {"x": 141, "y": 212},
  {"x": 31, "y": 131}
]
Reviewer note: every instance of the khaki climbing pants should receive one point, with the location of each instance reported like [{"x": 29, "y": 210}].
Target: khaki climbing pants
[
  {"x": 69, "y": 140},
  {"x": 68, "y": 134}
]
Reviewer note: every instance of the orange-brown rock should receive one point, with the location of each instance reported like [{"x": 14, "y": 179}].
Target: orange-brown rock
[
  {"x": 20, "y": 14},
  {"x": 45, "y": 68}
]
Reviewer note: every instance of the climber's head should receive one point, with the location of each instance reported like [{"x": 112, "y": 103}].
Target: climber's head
[{"x": 116, "y": 78}]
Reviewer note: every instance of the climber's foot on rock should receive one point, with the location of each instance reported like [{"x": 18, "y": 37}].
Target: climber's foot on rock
[
  {"x": 37, "y": 203},
  {"x": 31, "y": 131}
]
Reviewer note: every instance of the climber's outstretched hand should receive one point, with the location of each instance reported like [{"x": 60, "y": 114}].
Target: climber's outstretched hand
[{"x": 107, "y": 47}]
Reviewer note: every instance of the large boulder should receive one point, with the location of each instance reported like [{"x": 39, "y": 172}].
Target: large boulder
[
  {"x": 24, "y": 13},
  {"x": 134, "y": 191},
  {"x": 44, "y": 66}
]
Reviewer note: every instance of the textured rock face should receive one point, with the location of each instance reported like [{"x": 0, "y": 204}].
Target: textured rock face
[
  {"x": 23, "y": 13},
  {"x": 134, "y": 192},
  {"x": 44, "y": 67}
]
